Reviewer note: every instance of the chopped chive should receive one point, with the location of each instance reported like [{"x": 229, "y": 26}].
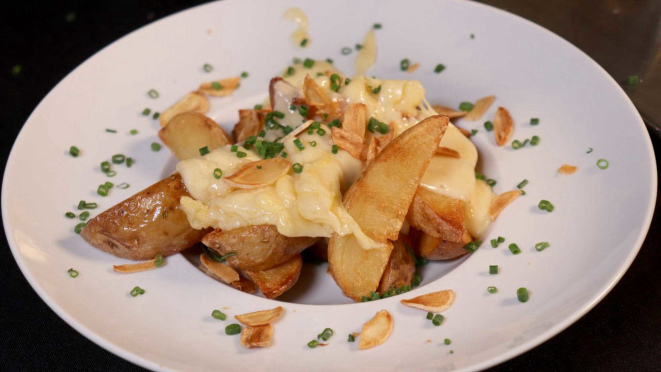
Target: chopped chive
[
  {"x": 326, "y": 334},
  {"x": 542, "y": 246},
  {"x": 156, "y": 115},
  {"x": 217, "y": 314},
  {"x": 111, "y": 130},
  {"x": 81, "y": 205},
  {"x": 217, "y": 173},
  {"x": 312, "y": 344},
  {"x": 136, "y": 291},
  {"x": 90, "y": 205},
  {"x": 473, "y": 132},
  {"x": 335, "y": 123},
  {"x": 155, "y": 147},
  {"x": 336, "y": 82},
  {"x": 244, "y": 74},
  {"x": 204, "y": 150},
  {"x": 153, "y": 93},
  {"x": 525, "y": 142},
  {"x": 416, "y": 280},
  {"x": 129, "y": 162},
  {"x": 105, "y": 167},
  {"x": 102, "y": 191},
  {"x": 334, "y": 149},
  {"x": 112, "y": 173},
  {"x": 351, "y": 338},
  {"x": 501, "y": 239},
  {"x": 216, "y": 85},
  {"x": 589, "y": 150},
  {"x": 118, "y": 159},
  {"x": 347, "y": 81},
  {"x": 377, "y": 26},
  {"x": 377, "y": 90},
  {"x": 303, "y": 110},
  {"x": 207, "y": 67},
  {"x": 297, "y": 168},
  {"x": 494, "y": 243},
  {"x": 480, "y": 176},
  {"x": 290, "y": 71},
  {"x": 284, "y": 154},
  {"x": 522, "y": 184},
  {"x": 359, "y": 47},
  {"x": 516, "y": 144},
  {"x": 514, "y": 248},
  {"x": 437, "y": 320},
  {"x": 123, "y": 186},
  {"x": 534, "y": 141},
  {"x": 383, "y": 128},
  {"x": 292, "y": 107},
  {"x": 523, "y": 192},
  {"x": 439, "y": 68},
  {"x": 108, "y": 185},
  {"x": 534, "y": 121},
  {"x": 321, "y": 131},
  {"x": 313, "y": 143},
  {"x": 472, "y": 246},
  {"x": 546, "y": 205},
  {"x": 404, "y": 64},
  {"x": 83, "y": 216},
  {"x": 234, "y": 148},
  {"x": 472, "y": 36},
  {"x": 79, "y": 227},
  {"x": 299, "y": 144},
  {"x": 493, "y": 269},
  {"x": 522, "y": 294},
  {"x": 466, "y": 106},
  {"x": 146, "y": 112},
  {"x": 74, "y": 151},
  {"x": 375, "y": 296},
  {"x": 447, "y": 341},
  {"x": 603, "y": 163},
  {"x": 133, "y": 132},
  {"x": 297, "y": 60},
  {"x": 329, "y": 60},
  {"x": 159, "y": 260},
  {"x": 492, "y": 289},
  {"x": 430, "y": 315},
  {"x": 633, "y": 80},
  {"x": 241, "y": 154},
  {"x": 70, "y": 215},
  {"x": 308, "y": 63},
  {"x": 491, "y": 182},
  {"x": 258, "y": 107},
  {"x": 278, "y": 114},
  {"x": 72, "y": 273},
  {"x": 232, "y": 329},
  {"x": 304, "y": 42},
  {"x": 488, "y": 126},
  {"x": 346, "y": 50}
]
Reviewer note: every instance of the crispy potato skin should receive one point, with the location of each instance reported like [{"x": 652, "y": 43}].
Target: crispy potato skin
[
  {"x": 258, "y": 247},
  {"x": 187, "y": 133},
  {"x": 400, "y": 268},
  {"x": 148, "y": 223},
  {"x": 437, "y": 215},
  {"x": 277, "y": 280},
  {"x": 433, "y": 248}
]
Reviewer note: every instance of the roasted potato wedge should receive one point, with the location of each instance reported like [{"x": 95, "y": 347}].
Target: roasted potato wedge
[
  {"x": 437, "y": 215},
  {"x": 277, "y": 280},
  {"x": 433, "y": 248},
  {"x": 251, "y": 122},
  {"x": 400, "y": 268},
  {"x": 148, "y": 223},
  {"x": 378, "y": 202},
  {"x": 185, "y": 134},
  {"x": 258, "y": 247}
]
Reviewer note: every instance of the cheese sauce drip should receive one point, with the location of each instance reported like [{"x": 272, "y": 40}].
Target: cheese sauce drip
[{"x": 299, "y": 17}]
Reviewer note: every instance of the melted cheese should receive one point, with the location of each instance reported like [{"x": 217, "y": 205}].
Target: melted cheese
[
  {"x": 320, "y": 67},
  {"x": 299, "y": 17},
  {"x": 476, "y": 210},
  {"x": 367, "y": 54}
]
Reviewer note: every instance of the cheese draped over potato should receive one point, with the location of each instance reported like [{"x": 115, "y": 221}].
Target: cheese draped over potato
[{"x": 309, "y": 203}]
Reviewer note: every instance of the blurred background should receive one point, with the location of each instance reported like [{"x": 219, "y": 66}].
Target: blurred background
[{"x": 42, "y": 41}]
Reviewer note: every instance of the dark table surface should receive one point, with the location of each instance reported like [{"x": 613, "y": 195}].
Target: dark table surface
[{"x": 49, "y": 39}]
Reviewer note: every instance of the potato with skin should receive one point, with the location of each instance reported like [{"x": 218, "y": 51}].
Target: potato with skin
[
  {"x": 433, "y": 248},
  {"x": 400, "y": 268},
  {"x": 258, "y": 247},
  {"x": 279, "y": 279},
  {"x": 148, "y": 223},
  {"x": 185, "y": 134},
  {"x": 437, "y": 215},
  {"x": 251, "y": 122},
  {"x": 378, "y": 202}
]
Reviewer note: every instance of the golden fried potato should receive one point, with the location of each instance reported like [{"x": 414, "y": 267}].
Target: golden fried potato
[
  {"x": 148, "y": 223},
  {"x": 437, "y": 215},
  {"x": 277, "y": 280},
  {"x": 438, "y": 249},
  {"x": 258, "y": 247},
  {"x": 251, "y": 122},
  {"x": 378, "y": 202},
  {"x": 187, "y": 133},
  {"x": 400, "y": 268}
]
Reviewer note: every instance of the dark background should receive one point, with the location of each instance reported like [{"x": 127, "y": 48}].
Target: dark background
[{"x": 50, "y": 39}]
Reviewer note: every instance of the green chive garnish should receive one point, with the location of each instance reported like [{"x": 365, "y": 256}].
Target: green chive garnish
[
  {"x": 278, "y": 114},
  {"x": 297, "y": 168},
  {"x": 232, "y": 329},
  {"x": 234, "y": 148},
  {"x": 522, "y": 294},
  {"x": 492, "y": 289},
  {"x": 439, "y": 68},
  {"x": 346, "y": 50},
  {"x": 313, "y": 143},
  {"x": 534, "y": 141},
  {"x": 290, "y": 71},
  {"x": 156, "y": 115},
  {"x": 136, "y": 291},
  {"x": 74, "y": 151},
  {"x": 377, "y": 26},
  {"x": 133, "y": 132},
  {"x": 312, "y": 344},
  {"x": 79, "y": 227},
  {"x": 217, "y": 173},
  {"x": 480, "y": 176},
  {"x": 416, "y": 280},
  {"x": 542, "y": 246},
  {"x": 334, "y": 149},
  {"x": 633, "y": 80},
  {"x": 465, "y": 106},
  {"x": 70, "y": 215},
  {"x": 284, "y": 154},
  {"x": 336, "y": 82},
  {"x": 155, "y": 147},
  {"x": 494, "y": 243},
  {"x": 493, "y": 269},
  {"x": 351, "y": 338},
  {"x": 326, "y": 334},
  {"x": 501, "y": 239},
  {"x": 204, "y": 150},
  {"x": 546, "y": 205},
  {"x": 516, "y": 144},
  {"x": 304, "y": 42},
  {"x": 303, "y": 110},
  {"x": 376, "y": 90},
  {"x": 258, "y": 107},
  {"x": 72, "y": 273},
  {"x": 347, "y": 81},
  {"x": 321, "y": 132},
  {"x": 299, "y": 144},
  {"x": 329, "y": 60},
  {"x": 216, "y": 85},
  {"x": 473, "y": 132},
  {"x": 217, "y": 314},
  {"x": 207, "y": 67},
  {"x": 244, "y": 74},
  {"x": 430, "y": 315},
  {"x": 514, "y": 248},
  {"x": 308, "y": 63},
  {"x": 488, "y": 126},
  {"x": 437, "y": 320},
  {"x": 404, "y": 64},
  {"x": 447, "y": 341},
  {"x": 159, "y": 260},
  {"x": 118, "y": 159},
  {"x": 534, "y": 121},
  {"x": 522, "y": 184},
  {"x": 146, "y": 112},
  {"x": 359, "y": 47},
  {"x": 589, "y": 150},
  {"x": 102, "y": 191},
  {"x": 153, "y": 94},
  {"x": 129, "y": 162},
  {"x": 111, "y": 130},
  {"x": 472, "y": 246},
  {"x": 603, "y": 163},
  {"x": 472, "y": 36},
  {"x": 241, "y": 154},
  {"x": 105, "y": 167},
  {"x": 81, "y": 205},
  {"x": 491, "y": 182},
  {"x": 123, "y": 186}
]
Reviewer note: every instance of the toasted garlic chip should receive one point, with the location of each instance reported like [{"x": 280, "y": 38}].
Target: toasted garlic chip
[
  {"x": 251, "y": 122},
  {"x": 257, "y": 336},
  {"x": 567, "y": 169},
  {"x": 193, "y": 101},
  {"x": 501, "y": 201},
  {"x": 449, "y": 112},
  {"x": 316, "y": 97},
  {"x": 226, "y": 87},
  {"x": 222, "y": 271},
  {"x": 349, "y": 141},
  {"x": 412, "y": 68},
  {"x": 260, "y": 317},
  {"x": 370, "y": 151},
  {"x": 136, "y": 267},
  {"x": 376, "y": 331},
  {"x": 384, "y": 140},
  {"x": 244, "y": 285},
  {"x": 301, "y": 128},
  {"x": 258, "y": 173},
  {"x": 434, "y": 302},
  {"x": 464, "y": 132},
  {"x": 481, "y": 106},
  {"x": 445, "y": 151},
  {"x": 503, "y": 126},
  {"x": 355, "y": 119}
]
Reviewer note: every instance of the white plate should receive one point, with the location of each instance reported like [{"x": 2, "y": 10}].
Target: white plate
[{"x": 599, "y": 222}]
